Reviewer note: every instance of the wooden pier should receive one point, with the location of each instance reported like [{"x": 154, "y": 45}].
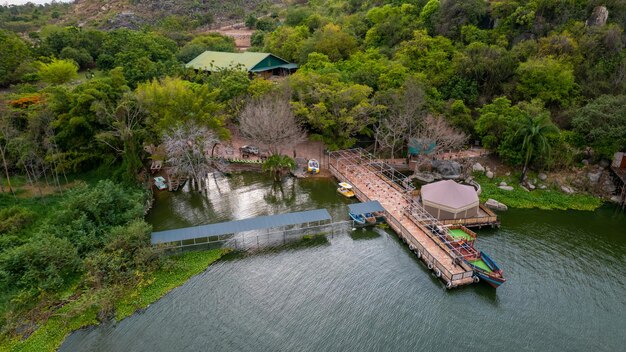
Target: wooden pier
[
  {"x": 373, "y": 179},
  {"x": 620, "y": 176},
  {"x": 485, "y": 217}
]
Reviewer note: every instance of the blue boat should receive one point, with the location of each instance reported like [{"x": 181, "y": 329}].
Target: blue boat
[
  {"x": 358, "y": 219},
  {"x": 487, "y": 270}
]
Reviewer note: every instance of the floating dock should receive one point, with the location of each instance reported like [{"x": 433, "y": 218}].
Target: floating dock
[{"x": 373, "y": 179}]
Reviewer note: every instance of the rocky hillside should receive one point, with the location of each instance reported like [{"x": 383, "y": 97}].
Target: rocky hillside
[{"x": 174, "y": 14}]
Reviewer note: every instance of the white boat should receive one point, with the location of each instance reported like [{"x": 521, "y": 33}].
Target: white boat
[
  {"x": 345, "y": 189},
  {"x": 159, "y": 182},
  {"x": 313, "y": 166}
]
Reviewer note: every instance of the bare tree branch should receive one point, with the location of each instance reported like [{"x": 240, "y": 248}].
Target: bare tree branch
[
  {"x": 406, "y": 112},
  {"x": 187, "y": 148},
  {"x": 436, "y": 135},
  {"x": 270, "y": 122}
]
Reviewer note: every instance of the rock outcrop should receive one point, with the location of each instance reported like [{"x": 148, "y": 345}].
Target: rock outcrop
[
  {"x": 447, "y": 168},
  {"x": 594, "y": 177},
  {"x": 495, "y": 205},
  {"x": 598, "y": 17}
]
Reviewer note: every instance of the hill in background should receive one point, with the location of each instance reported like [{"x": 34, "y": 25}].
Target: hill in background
[{"x": 134, "y": 14}]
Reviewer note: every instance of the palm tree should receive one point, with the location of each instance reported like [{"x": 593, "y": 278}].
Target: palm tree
[
  {"x": 278, "y": 165},
  {"x": 535, "y": 137}
]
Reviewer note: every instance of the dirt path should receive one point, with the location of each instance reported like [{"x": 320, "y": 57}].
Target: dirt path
[{"x": 237, "y": 31}]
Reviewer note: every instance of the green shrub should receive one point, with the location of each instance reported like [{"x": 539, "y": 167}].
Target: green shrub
[
  {"x": 58, "y": 71},
  {"x": 43, "y": 264},
  {"x": 127, "y": 254},
  {"x": 88, "y": 214},
  {"x": 14, "y": 219},
  {"x": 548, "y": 199}
]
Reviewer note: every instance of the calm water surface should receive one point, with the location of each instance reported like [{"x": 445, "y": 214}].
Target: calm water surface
[{"x": 364, "y": 291}]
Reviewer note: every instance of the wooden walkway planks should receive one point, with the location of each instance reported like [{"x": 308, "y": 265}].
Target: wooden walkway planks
[{"x": 371, "y": 185}]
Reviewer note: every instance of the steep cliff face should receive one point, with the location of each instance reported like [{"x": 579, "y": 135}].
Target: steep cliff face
[{"x": 188, "y": 13}]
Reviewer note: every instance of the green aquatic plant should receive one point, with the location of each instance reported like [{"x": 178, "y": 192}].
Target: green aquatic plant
[{"x": 548, "y": 199}]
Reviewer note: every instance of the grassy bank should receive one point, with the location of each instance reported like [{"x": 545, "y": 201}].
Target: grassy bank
[
  {"x": 185, "y": 266},
  {"x": 79, "y": 314},
  {"x": 549, "y": 199}
]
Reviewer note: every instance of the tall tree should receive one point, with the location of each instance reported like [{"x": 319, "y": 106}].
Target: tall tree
[
  {"x": 534, "y": 134},
  {"x": 331, "y": 41},
  {"x": 336, "y": 111},
  {"x": 125, "y": 133},
  {"x": 601, "y": 124},
  {"x": 13, "y": 52},
  {"x": 548, "y": 79},
  {"x": 270, "y": 122},
  {"x": 436, "y": 134},
  {"x": 278, "y": 165},
  {"x": 172, "y": 102},
  {"x": 7, "y": 133},
  {"x": 187, "y": 147},
  {"x": 406, "y": 110}
]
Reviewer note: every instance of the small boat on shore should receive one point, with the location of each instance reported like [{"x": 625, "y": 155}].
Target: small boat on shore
[
  {"x": 313, "y": 166},
  {"x": 345, "y": 189},
  {"x": 159, "y": 182}
]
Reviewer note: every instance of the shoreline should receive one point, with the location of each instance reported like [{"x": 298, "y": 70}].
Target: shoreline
[
  {"x": 51, "y": 334},
  {"x": 544, "y": 199}
]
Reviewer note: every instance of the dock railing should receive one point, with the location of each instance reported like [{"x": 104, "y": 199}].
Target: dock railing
[
  {"x": 428, "y": 224},
  {"x": 360, "y": 157},
  {"x": 407, "y": 191},
  {"x": 425, "y": 255}
]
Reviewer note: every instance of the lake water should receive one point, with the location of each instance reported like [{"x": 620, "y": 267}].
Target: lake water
[{"x": 364, "y": 290}]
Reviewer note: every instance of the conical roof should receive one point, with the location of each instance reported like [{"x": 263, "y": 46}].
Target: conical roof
[{"x": 449, "y": 195}]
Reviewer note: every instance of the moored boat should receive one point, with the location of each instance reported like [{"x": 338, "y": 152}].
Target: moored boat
[
  {"x": 487, "y": 270},
  {"x": 366, "y": 219},
  {"x": 159, "y": 182},
  {"x": 313, "y": 166},
  {"x": 345, "y": 189},
  {"x": 460, "y": 240},
  {"x": 358, "y": 219}
]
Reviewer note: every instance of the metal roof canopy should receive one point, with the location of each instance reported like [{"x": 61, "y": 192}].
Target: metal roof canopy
[
  {"x": 367, "y": 207},
  {"x": 256, "y": 223},
  {"x": 248, "y": 61}
]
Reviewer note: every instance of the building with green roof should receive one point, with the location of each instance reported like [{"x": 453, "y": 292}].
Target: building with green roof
[{"x": 264, "y": 64}]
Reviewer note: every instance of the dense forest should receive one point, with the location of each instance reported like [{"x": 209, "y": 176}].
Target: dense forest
[{"x": 541, "y": 83}]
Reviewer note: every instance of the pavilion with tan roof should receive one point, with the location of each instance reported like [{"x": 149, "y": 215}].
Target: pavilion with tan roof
[{"x": 447, "y": 200}]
